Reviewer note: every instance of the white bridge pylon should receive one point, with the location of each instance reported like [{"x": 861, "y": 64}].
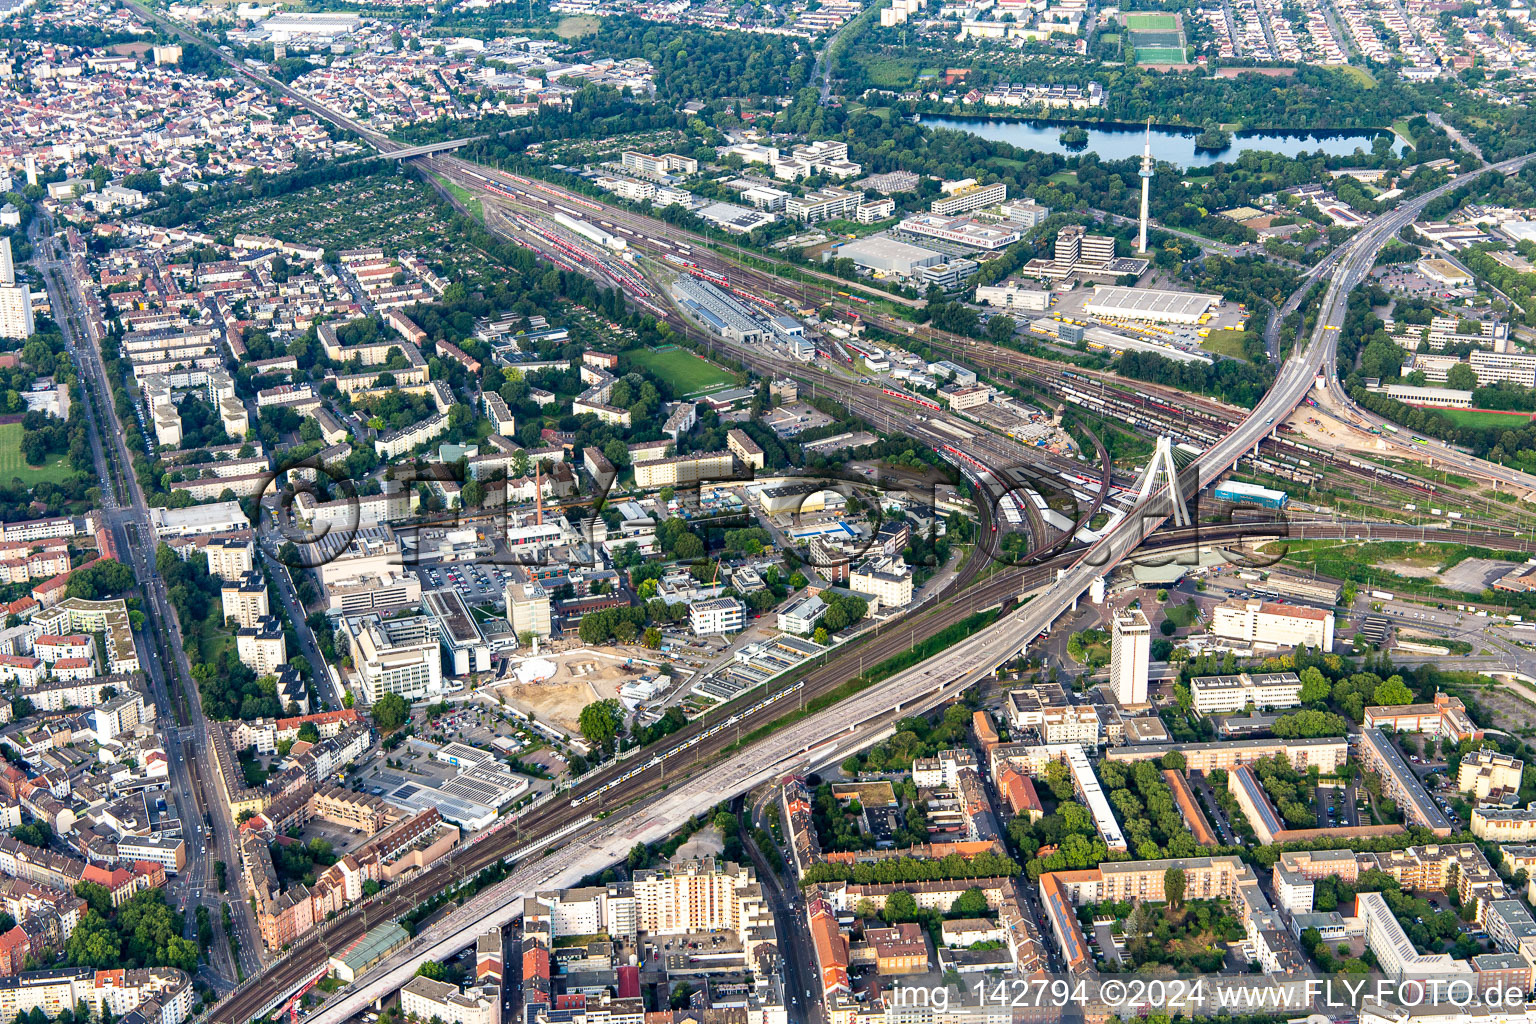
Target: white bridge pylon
[{"x": 1162, "y": 465}]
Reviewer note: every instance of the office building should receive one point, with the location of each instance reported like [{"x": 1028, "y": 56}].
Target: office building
[
  {"x": 425, "y": 999},
  {"x": 528, "y": 609},
  {"x": 1271, "y": 624},
  {"x": 1446, "y": 717},
  {"x": 1225, "y": 694},
  {"x": 1130, "y": 651},
  {"x": 395, "y": 656},
  {"x": 465, "y": 650},
  {"x": 823, "y": 204},
  {"x": 716, "y": 615}
]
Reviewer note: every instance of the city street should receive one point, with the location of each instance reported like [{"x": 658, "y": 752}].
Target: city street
[{"x": 176, "y": 702}]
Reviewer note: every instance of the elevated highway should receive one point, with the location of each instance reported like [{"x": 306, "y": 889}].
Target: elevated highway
[{"x": 819, "y": 739}]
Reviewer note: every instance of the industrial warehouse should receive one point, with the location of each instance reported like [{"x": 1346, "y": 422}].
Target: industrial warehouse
[{"x": 1117, "y": 303}]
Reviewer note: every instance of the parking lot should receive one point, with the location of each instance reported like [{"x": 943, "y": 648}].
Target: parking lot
[{"x": 476, "y": 583}]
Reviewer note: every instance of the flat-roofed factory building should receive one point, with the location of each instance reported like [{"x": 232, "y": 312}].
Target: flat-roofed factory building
[{"x": 1150, "y": 304}]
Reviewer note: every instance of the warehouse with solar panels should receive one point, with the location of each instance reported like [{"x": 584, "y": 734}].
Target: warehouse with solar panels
[{"x": 1149, "y": 304}]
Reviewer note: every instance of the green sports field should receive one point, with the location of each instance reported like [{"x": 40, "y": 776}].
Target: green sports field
[
  {"x": 1152, "y": 22},
  {"x": 13, "y": 464},
  {"x": 1160, "y": 55},
  {"x": 687, "y": 373},
  {"x": 1478, "y": 418}
]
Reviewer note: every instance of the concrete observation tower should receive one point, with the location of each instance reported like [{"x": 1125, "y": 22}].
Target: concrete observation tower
[{"x": 1146, "y": 188}]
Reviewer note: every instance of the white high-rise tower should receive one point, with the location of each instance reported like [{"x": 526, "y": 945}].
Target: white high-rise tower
[
  {"x": 1130, "y": 649},
  {"x": 1146, "y": 188},
  {"x": 7, "y": 268},
  {"x": 31, "y": 169}
]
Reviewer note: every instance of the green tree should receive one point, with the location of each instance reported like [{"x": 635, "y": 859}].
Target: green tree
[
  {"x": 899, "y": 906},
  {"x": 1393, "y": 691},
  {"x": 1173, "y": 886},
  {"x": 1462, "y": 376},
  {"x": 1314, "y": 685},
  {"x": 390, "y": 712},
  {"x": 601, "y": 721},
  {"x": 971, "y": 903}
]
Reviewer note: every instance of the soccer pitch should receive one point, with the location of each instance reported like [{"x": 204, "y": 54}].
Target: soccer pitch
[
  {"x": 687, "y": 373},
  {"x": 1160, "y": 55},
  {"x": 1152, "y": 22}
]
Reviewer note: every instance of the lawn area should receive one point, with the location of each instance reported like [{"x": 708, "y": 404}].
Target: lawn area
[
  {"x": 1152, "y": 22},
  {"x": 1160, "y": 55},
  {"x": 1362, "y": 77},
  {"x": 577, "y": 25},
  {"x": 1478, "y": 418},
  {"x": 463, "y": 195},
  {"x": 1064, "y": 178},
  {"x": 13, "y": 464},
  {"x": 1182, "y": 615},
  {"x": 1224, "y": 343},
  {"x": 687, "y": 373}
]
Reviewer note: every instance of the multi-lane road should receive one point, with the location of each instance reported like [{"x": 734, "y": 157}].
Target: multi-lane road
[{"x": 126, "y": 515}]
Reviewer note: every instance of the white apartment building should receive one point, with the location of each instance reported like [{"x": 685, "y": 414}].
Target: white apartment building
[
  {"x": 694, "y": 467},
  {"x": 1224, "y": 694},
  {"x": 262, "y": 646},
  {"x": 426, "y": 999},
  {"x": 1394, "y": 949},
  {"x": 1075, "y": 723},
  {"x": 398, "y": 442},
  {"x": 399, "y": 656},
  {"x": 1485, "y": 772},
  {"x": 1269, "y": 624},
  {"x": 16, "y": 311},
  {"x": 969, "y": 197},
  {"x": 887, "y": 579},
  {"x": 1504, "y": 824},
  {"x": 717, "y": 615},
  {"x": 1129, "y": 653},
  {"x": 245, "y": 599},
  {"x": 110, "y": 618},
  {"x": 698, "y": 896}
]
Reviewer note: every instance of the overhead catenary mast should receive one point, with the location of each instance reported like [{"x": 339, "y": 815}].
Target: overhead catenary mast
[{"x": 1146, "y": 188}]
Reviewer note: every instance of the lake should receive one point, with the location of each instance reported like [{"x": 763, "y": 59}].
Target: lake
[{"x": 1112, "y": 141}]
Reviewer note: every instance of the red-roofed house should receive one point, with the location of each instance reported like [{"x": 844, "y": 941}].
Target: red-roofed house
[{"x": 14, "y": 949}]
